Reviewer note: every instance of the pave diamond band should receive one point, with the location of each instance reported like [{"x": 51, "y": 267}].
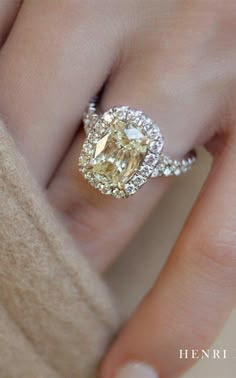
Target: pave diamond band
[
  {"x": 169, "y": 167},
  {"x": 123, "y": 148}
]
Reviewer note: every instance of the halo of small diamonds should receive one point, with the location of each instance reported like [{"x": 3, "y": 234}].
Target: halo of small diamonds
[
  {"x": 135, "y": 122},
  {"x": 123, "y": 148}
]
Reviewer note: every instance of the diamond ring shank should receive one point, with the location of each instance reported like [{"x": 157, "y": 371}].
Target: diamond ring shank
[{"x": 123, "y": 148}]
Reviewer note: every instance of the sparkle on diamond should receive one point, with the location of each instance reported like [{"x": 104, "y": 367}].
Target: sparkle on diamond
[{"x": 118, "y": 154}]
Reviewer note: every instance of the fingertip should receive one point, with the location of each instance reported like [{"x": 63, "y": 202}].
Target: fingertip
[{"x": 136, "y": 370}]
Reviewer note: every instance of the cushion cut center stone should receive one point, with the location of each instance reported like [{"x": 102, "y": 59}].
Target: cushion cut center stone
[{"x": 118, "y": 154}]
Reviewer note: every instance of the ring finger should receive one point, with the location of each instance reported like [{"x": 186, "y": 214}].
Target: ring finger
[{"x": 96, "y": 221}]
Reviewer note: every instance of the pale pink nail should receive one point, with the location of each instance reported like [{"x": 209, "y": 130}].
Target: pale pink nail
[{"x": 136, "y": 370}]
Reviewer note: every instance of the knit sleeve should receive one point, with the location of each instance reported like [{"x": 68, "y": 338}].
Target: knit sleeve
[{"x": 57, "y": 315}]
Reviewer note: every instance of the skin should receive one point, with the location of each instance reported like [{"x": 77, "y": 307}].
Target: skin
[{"x": 175, "y": 60}]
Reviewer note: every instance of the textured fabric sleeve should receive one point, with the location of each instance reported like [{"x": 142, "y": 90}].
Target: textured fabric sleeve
[{"x": 57, "y": 316}]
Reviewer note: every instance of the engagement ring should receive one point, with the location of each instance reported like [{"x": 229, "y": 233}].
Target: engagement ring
[{"x": 123, "y": 149}]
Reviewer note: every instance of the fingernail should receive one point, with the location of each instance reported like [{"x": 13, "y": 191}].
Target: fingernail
[{"x": 136, "y": 370}]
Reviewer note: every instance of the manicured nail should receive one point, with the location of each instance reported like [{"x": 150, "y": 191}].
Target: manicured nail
[{"x": 136, "y": 370}]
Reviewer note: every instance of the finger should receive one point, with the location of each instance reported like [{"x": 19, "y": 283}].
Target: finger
[
  {"x": 49, "y": 68},
  {"x": 96, "y": 221},
  {"x": 103, "y": 226},
  {"x": 194, "y": 294},
  {"x": 8, "y": 12}
]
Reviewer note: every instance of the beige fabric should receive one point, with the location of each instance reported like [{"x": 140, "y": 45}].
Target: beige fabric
[{"x": 56, "y": 315}]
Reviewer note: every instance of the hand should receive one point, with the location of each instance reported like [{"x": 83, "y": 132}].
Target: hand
[{"x": 175, "y": 60}]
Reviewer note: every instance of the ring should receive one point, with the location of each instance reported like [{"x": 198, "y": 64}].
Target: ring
[{"x": 123, "y": 149}]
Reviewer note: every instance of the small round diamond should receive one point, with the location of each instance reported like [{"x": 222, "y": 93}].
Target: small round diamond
[
  {"x": 153, "y": 132},
  {"x": 118, "y": 193},
  {"x": 87, "y": 148},
  {"x": 131, "y": 115},
  {"x": 177, "y": 171},
  {"x": 87, "y": 175},
  {"x": 121, "y": 113},
  {"x": 130, "y": 189},
  {"x": 108, "y": 117},
  {"x": 155, "y": 147},
  {"x": 157, "y": 172},
  {"x": 141, "y": 121},
  {"x": 150, "y": 160},
  {"x": 167, "y": 171},
  {"x": 146, "y": 171},
  {"x": 138, "y": 180},
  {"x": 83, "y": 160},
  {"x": 99, "y": 125},
  {"x": 184, "y": 169},
  {"x": 106, "y": 190}
]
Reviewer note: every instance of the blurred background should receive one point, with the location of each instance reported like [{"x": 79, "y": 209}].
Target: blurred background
[{"x": 139, "y": 269}]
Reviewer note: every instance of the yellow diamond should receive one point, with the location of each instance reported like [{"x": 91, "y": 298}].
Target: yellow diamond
[{"x": 118, "y": 154}]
